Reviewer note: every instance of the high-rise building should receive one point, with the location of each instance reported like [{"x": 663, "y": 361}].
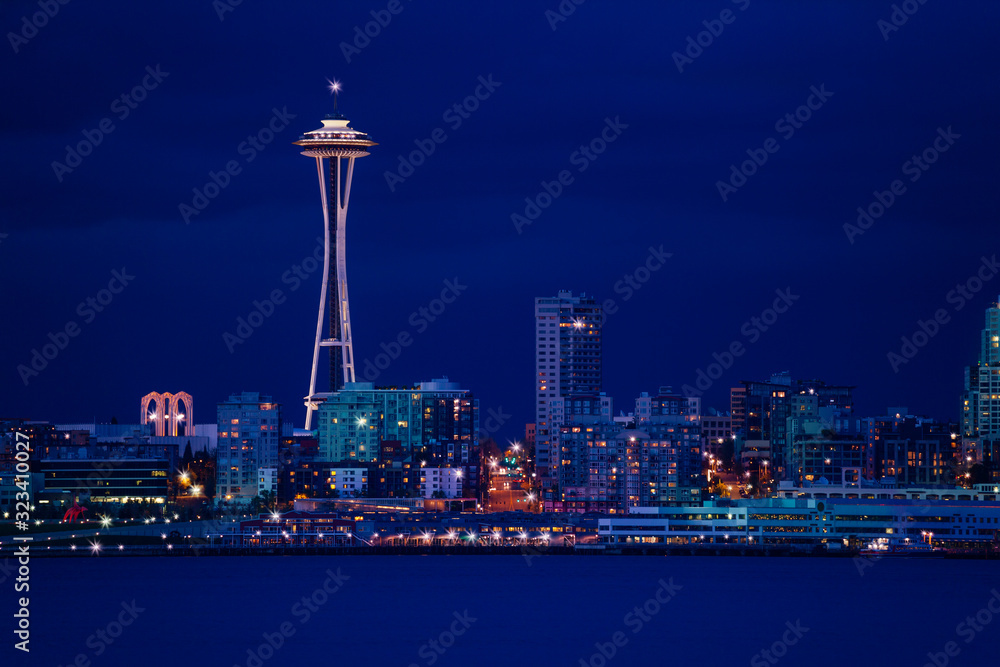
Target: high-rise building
[
  {"x": 335, "y": 147},
  {"x": 567, "y": 362},
  {"x": 247, "y": 454},
  {"x": 738, "y": 406},
  {"x": 981, "y": 398}
]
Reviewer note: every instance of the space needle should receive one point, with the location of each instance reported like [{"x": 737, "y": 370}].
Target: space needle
[{"x": 335, "y": 147}]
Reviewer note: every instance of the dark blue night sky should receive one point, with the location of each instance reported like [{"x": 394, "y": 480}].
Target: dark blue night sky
[{"x": 885, "y": 95}]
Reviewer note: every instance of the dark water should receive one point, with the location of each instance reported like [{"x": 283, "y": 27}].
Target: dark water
[{"x": 505, "y": 611}]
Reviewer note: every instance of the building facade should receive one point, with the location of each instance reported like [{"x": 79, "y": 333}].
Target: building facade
[
  {"x": 911, "y": 450},
  {"x": 441, "y": 482},
  {"x": 766, "y": 407},
  {"x": 249, "y": 434},
  {"x": 613, "y": 465},
  {"x": 808, "y": 522},
  {"x": 438, "y": 415},
  {"x": 981, "y": 398},
  {"x": 716, "y": 430},
  {"x": 568, "y": 361}
]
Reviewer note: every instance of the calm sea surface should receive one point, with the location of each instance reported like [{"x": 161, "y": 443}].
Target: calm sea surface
[{"x": 500, "y": 610}]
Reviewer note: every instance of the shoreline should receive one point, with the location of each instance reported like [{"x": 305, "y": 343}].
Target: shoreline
[{"x": 679, "y": 551}]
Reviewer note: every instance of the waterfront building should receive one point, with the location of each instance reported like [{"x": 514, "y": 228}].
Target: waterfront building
[
  {"x": 610, "y": 466},
  {"x": 291, "y": 529},
  {"x": 911, "y": 450},
  {"x": 249, "y": 426},
  {"x": 118, "y": 471},
  {"x": 809, "y": 522}
]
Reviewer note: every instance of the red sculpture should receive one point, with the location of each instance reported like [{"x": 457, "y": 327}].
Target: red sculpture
[{"x": 74, "y": 513}]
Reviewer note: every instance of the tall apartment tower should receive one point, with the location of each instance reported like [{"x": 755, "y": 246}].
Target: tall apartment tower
[
  {"x": 981, "y": 398},
  {"x": 249, "y": 432},
  {"x": 567, "y": 362}
]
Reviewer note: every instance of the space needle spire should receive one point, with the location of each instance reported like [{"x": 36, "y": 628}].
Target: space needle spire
[{"x": 335, "y": 146}]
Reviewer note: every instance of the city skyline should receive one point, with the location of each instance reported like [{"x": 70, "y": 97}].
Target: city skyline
[
  {"x": 170, "y": 272},
  {"x": 696, "y": 297}
]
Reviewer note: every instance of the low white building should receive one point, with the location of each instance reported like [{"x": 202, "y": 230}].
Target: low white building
[
  {"x": 267, "y": 480},
  {"x": 446, "y": 480},
  {"x": 348, "y": 481}
]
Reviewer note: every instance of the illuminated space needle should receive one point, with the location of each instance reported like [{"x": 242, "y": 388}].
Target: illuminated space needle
[{"x": 335, "y": 147}]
